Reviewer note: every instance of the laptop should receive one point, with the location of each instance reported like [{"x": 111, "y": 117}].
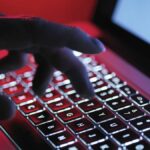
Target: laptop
[{"x": 118, "y": 117}]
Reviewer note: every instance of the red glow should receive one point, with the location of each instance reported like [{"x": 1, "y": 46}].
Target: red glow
[
  {"x": 3, "y": 53},
  {"x": 54, "y": 10}
]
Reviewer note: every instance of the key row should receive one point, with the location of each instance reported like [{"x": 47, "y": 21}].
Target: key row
[
  {"x": 110, "y": 126},
  {"x": 120, "y": 104},
  {"x": 129, "y": 113},
  {"x": 107, "y": 94}
]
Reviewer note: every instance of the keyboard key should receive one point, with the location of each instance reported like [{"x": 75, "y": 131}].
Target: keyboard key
[
  {"x": 139, "y": 100},
  {"x": 76, "y": 98},
  {"x": 69, "y": 115},
  {"x": 118, "y": 103},
  {"x": 96, "y": 67},
  {"x": 50, "y": 128},
  {"x": 41, "y": 117},
  {"x": 7, "y": 80},
  {"x": 62, "y": 139},
  {"x": 91, "y": 105},
  {"x": 75, "y": 146},
  {"x": 28, "y": 80},
  {"x": 24, "y": 71},
  {"x": 90, "y": 137},
  {"x": 51, "y": 96},
  {"x": 127, "y": 90},
  {"x": 126, "y": 137},
  {"x": 141, "y": 124},
  {"x": 100, "y": 85},
  {"x": 104, "y": 72},
  {"x": 141, "y": 145},
  {"x": 113, "y": 125},
  {"x": 49, "y": 89},
  {"x": 59, "y": 79},
  {"x": 66, "y": 88},
  {"x": 130, "y": 113},
  {"x": 23, "y": 98},
  {"x": 59, "y": 105},
  {"x": 147, "y": 134},
  {"x": 31, "y": 108},
  {"x": 101, "y": 115},
  {"x": 85, "y": 59},
  {"x": 108, "y": 94},
  {"x": 13, "y": 90},
  {"x": 147, "y": 108},
  {"x": 116, "y": 81},
  {"x": 80, "y": 125},
  {"x": 106, "y": 145},
  {"x": 57, "y": 73},
  {"x": 91, "y": 74}
]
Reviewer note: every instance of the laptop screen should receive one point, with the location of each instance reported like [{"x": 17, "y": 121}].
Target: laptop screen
[
  {"x": 126, "y": 24},
  {"x": 134, "y": 17}
]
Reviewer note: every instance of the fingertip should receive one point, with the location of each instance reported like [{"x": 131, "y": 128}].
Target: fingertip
[
  {"x": 86, "y": 92},
  {"x": 99, "y": 46},
  {"x": 42, "y": 79},
  {"x": 38, "y": 91},
  {"x": 82, "y": 42}
]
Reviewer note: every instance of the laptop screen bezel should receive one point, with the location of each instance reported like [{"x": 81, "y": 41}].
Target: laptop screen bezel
[{"x": 137, "y": 51}]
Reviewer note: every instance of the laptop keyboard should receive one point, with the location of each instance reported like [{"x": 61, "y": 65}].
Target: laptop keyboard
[{"x": 118, "y": 117}]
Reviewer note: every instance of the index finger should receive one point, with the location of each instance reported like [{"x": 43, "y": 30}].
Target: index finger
[
  {"x": 57, "y": 35},
  {"x": 19, "y": 33}
]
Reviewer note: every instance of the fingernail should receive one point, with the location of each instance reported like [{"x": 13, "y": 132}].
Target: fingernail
[{"x": 99, "y": 44}]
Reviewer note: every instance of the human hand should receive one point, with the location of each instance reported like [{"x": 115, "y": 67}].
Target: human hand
[{"x": 51, "y": 45}]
